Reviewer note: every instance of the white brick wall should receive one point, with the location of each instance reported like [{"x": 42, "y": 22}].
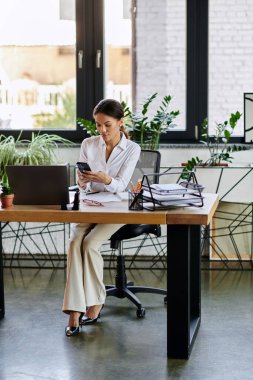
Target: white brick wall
[
  {"x": 230, "y": 57},
  {"x": 160, "y": 52},
  {"x": 161, "y": 61}
]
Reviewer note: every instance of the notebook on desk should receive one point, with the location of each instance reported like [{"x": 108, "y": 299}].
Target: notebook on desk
[{"x": 39, "y": 184}]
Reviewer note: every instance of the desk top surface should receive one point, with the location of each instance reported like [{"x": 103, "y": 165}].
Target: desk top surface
[{"x": 113, "y": 212}]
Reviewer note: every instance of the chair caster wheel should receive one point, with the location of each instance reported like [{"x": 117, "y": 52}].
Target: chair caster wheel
[
  {"x": 141, "y": 312},
  {"x": 165, "y": 300}
]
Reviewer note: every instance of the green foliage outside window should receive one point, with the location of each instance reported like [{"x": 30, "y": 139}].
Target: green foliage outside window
[{"x": 61, "y": 119}]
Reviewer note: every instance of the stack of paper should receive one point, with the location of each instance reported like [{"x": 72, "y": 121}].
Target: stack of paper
[
  {"x": 163, "y": 195},
  {"x": 171, "y": 188}
]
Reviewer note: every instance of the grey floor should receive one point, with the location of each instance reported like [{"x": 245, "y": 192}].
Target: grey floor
[{"x": 120, "y": 346}]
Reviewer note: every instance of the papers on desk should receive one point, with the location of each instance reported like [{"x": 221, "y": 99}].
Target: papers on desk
[
  {"x": 174, "y": 188},
  {"x": 171, "y": 200},
  {"x": 171, "y": 188},
  {"x": 154, "y": 196},
  {"x": 104, "y": 196},
  {"x": 165, "y": 196},
  {"x": 183, "y": 192}
]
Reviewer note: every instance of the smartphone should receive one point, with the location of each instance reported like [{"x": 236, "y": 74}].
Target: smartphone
[{"x": 83, "y": 166}]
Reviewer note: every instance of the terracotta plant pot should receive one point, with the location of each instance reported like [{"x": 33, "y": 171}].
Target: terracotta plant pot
[{"x": 7, "y": 200}]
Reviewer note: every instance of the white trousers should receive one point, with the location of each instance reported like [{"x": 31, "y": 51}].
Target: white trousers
[{"x": 84, "y": 285}]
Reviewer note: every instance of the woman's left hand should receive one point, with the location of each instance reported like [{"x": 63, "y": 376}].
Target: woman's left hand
[{"x": 99, "y": 177}]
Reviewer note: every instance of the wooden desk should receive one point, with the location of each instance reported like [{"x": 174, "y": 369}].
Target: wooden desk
[{"x": 183, "y": 255}]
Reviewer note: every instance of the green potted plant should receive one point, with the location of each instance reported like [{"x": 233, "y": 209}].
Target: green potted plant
[
  {"x": 6, "y": 192},
  {"x": 146, "y": 129},
  {"x": 219, "y": 150},
  {"x": 40, "y": 150},
  {"x": 88, "y": 126},
  {"x": 142, "y": 128}
]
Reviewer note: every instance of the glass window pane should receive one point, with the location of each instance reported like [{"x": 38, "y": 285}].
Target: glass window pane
[
  {"x": 117, "y": 40},
  {"x": 230, "y": 59},
  {"x": 37, "y": 64},
  {"x": 176, "y": 59},
  {"x": 161, "y": 54}
]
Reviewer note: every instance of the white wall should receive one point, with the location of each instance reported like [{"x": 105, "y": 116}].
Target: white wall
[
  {"x": 160, "y": 53},
  {"x": 171, "y": 154}
]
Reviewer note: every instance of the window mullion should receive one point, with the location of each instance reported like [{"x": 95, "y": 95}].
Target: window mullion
[{"x": 197, "y": 64}]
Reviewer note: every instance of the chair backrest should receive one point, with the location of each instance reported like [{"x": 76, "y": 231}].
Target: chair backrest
[{"x": 148, "y": 163}]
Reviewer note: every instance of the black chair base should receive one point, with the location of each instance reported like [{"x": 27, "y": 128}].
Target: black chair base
[{"x": 124, "y": 289}]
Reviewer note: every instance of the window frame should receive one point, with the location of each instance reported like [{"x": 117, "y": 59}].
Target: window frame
[
  {"x": 197, "y": 21},
  {"x": 90, "y": 80},
  {"x": 196, "y": 73}
]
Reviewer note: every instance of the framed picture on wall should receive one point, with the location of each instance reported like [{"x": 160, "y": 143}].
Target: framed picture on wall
[{"x": 248, "y": 117}]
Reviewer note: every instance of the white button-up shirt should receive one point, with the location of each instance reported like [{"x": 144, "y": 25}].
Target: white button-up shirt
[{"x": 120, "y": 165}]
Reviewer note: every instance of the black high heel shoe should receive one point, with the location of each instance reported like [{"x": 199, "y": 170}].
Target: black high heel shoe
[
  {"x": 89, "y": 321},
  {"x": 74, "y": 330}
]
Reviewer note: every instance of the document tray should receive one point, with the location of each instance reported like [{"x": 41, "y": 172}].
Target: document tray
[{"x": 184, "y": 192}]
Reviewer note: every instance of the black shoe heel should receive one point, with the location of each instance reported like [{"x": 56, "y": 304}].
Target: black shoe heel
[
  {"x": 89, "y": 321},
  {"x": 72, "y": 330}
]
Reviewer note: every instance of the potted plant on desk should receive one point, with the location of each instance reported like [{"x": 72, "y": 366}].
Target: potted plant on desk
[
  {"x": 217, "y": 144},
  {"x": 40, "y": 150},
  {"x": 6, "y": 192}
]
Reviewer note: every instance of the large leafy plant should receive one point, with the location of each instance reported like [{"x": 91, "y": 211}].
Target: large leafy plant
[
  {"x": 145, "y": 129},
  {"x": 142, "y": 128},
  {"x": 217, "y": 143},
  {"x": 40, "y": 150},
  {"x": 88, "y": 126}
]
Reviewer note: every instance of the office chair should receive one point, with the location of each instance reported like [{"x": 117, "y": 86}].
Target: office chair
[{"x": 148, "y": 163}]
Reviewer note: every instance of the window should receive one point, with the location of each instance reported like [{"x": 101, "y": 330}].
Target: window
[
  {"x": 161, "y": 54},
  {"x": 53, "y": 62},
  {"x": 58, "y": 58},
  {"x": 48, "y": 76},
  {"x": 230, "y": 59},
  {"x": 118, "y": 52},
  {"x": 37, "y": 69},
  {"x": 172, "y": 59}
]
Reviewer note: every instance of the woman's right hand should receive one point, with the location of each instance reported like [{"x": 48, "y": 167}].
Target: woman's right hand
[{"x": 82, "y": 180}]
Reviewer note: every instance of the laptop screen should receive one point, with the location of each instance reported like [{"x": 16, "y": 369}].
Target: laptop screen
[{"x": 39, "y": 184}]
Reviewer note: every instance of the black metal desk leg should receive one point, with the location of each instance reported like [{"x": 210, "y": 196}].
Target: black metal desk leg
[
  {"x": 183, "y": 289},
  {"x": 1, "y": 277},
  {"x": 195, "y": 270}
]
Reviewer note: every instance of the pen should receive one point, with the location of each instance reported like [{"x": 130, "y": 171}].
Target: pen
[
  {"x": 135, "y": 204},
  {"x": 132, "y": 187},
  {"x": 92, "y": 192},
  {"x": 138, "y": 185}
]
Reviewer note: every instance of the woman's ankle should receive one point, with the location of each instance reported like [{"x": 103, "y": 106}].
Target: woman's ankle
[
  {"x": 74, "y": 318},
  {"x": 93, "y": 311}
]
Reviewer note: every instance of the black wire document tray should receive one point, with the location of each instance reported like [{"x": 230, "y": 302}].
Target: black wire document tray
[{"x": 176, "y": 189}]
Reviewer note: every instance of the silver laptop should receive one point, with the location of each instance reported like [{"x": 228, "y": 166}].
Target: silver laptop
[{"x": 39, "y": 184}]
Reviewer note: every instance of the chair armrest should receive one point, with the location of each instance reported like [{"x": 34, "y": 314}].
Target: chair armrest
[{"x": 73, "y": 188}]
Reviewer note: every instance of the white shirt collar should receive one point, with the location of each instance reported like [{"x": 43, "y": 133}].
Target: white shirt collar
[{"x": 122, "y": 144}]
